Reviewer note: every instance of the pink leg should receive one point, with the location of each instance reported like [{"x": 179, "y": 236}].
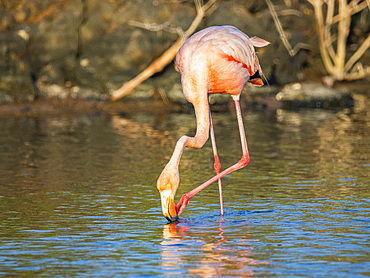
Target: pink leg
[
  {"x": 240, "y": 164},
  {"x": 217, "y": 164}
]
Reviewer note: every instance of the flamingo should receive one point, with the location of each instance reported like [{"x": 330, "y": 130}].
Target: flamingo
[{"x": 218, "y": 59}]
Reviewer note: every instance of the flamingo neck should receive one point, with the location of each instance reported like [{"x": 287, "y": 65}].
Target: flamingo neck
[{"x": 202, "y": 114}]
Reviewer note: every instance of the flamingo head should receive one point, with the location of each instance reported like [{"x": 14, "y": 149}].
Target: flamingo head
[{"x": 167, "y": 185}]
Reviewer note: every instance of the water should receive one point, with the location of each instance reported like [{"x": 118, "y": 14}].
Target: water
[{"x": 78, "y": 197}]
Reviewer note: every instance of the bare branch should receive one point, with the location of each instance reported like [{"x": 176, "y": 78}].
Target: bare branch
[
  {"x": 317, "y": 4},
  {"x": 198, "y": 5},
  {"x": 351, "y": 11},
  {"x": 343, "y": 31},
  {"x": 357, "y": 55},
  {"x": 199, "y": 18},
  {"x": 283, "y": 37},
  {"x": 155, "y": 27},
  {"x": 330, "y": 39},
  {"x": 358, "y": 73}
]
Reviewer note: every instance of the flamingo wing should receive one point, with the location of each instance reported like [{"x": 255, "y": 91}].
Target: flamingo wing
[{"x": 238, "y": 47}]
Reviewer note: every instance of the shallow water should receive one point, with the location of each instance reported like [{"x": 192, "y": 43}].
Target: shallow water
[{"x": 78, "y": 197}]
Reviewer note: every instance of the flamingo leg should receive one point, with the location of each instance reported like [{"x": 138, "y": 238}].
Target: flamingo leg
[
  {"x": 240, "y": 164},
  {"x": 217, "y": 164}
]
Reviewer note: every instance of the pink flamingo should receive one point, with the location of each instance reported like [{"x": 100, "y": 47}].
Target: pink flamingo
[{"x": 219, "y": 59}]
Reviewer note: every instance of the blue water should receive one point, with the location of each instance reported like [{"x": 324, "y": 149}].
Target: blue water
[{"x": 78, "y": 197}]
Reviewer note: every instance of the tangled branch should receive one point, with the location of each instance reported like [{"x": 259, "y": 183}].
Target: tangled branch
[{"x": 333, "y": 47}]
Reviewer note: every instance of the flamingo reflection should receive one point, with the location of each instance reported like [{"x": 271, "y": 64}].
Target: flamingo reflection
[{"x": 208, "y": 253}]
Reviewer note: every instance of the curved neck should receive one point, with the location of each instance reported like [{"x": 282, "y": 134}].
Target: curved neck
[{"x": 201, "y": 107}]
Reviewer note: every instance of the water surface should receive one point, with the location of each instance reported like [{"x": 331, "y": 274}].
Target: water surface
[{"x": 78, "y": 197}]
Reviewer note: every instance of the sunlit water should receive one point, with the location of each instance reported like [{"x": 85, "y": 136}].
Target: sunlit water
[{"x": 78, "y": 197}]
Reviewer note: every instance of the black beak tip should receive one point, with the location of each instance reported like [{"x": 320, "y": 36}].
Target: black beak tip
[{"x": 172, "y": 219}]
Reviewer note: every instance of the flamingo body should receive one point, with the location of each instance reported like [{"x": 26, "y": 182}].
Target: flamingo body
[{"x": 219, "y": 59}]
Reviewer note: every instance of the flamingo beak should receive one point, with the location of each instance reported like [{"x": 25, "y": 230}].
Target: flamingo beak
[{"x": 168, "y": 206}]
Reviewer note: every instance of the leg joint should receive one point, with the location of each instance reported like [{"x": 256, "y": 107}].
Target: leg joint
[{"x": 244, "y": 161}]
